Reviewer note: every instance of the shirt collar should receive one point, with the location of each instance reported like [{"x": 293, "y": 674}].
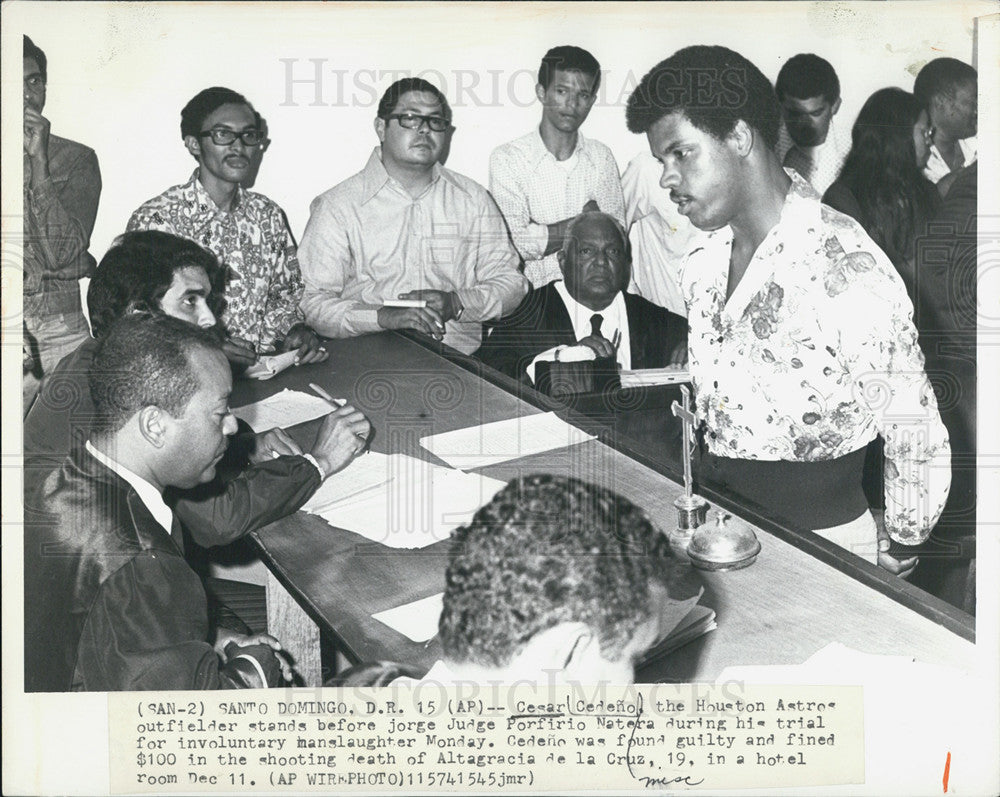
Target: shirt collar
[
  {"x": 614, "y": 314},
  {"x": 202, "y": 197},
  {"x": 375, "y": 177},
  {"x": 539, "y": 151},
  {"x": 147, "y": 493}
]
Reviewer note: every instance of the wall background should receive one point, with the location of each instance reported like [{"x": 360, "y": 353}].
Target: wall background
[{"x": 119, "y": 74}]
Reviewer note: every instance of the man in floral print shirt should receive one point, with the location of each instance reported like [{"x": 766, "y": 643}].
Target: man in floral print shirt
[
  {"x": 245, "y": 230},
  {"x": 801, "y": 342}
]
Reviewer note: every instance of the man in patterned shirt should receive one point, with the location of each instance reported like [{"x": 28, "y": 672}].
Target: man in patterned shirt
[
  {"x": 542, "y": 180},
  {"x": 245, "y": 230},
  {"x": 801, "y": 341}
]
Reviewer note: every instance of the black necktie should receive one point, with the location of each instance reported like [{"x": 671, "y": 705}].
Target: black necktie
[{"x": 595, "y": 324}]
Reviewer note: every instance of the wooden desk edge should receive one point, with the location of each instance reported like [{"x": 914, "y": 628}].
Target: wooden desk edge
[{"x": 923, "y": 603}]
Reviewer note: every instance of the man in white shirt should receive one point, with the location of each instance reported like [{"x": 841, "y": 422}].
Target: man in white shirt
[
  {"x": 407, "y": 229},
  {"x": 542, "y": 180},
  {"x": 119, "y": 608},
  {"x": 801, "y": 343},
  {"x": 947, "y": 88},
  {"x": 809, "y": 92}
]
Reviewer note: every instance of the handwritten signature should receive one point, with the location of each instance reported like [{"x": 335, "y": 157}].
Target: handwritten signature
[{"x": 647, "y": 781}]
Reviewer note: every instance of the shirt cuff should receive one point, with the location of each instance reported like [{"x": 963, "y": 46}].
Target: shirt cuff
[
  {"x": 256, "y": 664},
  {"x": 565, "y": 354},
  {"x": 315, "y": 462}
]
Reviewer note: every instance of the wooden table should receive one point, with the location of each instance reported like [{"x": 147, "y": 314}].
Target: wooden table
[{"x": 802, "y": 593}]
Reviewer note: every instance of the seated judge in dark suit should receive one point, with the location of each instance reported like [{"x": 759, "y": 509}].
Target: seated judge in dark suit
[
  {"x": 587, "y": 315},
  {"x": 110, "y": 602}
]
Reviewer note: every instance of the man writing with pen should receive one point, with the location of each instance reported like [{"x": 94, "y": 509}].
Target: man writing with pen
[
  {"x": 245, "y": 230},
  {"x": 588, "y": 314}
]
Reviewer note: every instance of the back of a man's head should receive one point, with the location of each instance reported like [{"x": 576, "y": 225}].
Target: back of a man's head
[
  {"x": 941, "y": 76},
  {"x": 714, "y": 87},
  {"x": 549, "y": 550},
  {"x": 137, "y": 271},
  {"x": 145, "y": 360},
  {"x": 805, "y": 76}
]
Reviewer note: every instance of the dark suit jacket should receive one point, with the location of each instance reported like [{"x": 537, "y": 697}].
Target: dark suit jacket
[
  {"x": 239, "y": 500},
  {"x": 110, "y": 604},
  {"x": 542, "y": 322}
]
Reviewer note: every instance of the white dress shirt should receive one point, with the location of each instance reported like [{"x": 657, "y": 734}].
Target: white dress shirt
[
  {"x": 147, "y": 493},
  {"x": 937, "y": 168}
]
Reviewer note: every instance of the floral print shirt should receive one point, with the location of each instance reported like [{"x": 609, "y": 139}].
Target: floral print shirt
[
  {"x": 263, "y": 282},
  {"x": 814, "y": 354}
]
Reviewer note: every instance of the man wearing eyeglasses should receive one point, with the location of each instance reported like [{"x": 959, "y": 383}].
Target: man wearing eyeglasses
[
  {"x": 245, "y": 230},
  {"x": 62, "y": 186},
  {"x": 406, "y": 228}
]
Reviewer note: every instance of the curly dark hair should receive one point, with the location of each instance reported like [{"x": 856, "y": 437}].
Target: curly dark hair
[
  {"x": 390, "y": 98},
  {"x": 941, "y": 76},
  {"x": 881, "y": 172},
  {"x": 805, "y": 76},
  {"x": 546, "y": 550},
  {"x": 138, "y": 270},
  {"x": 714, "y": 87},
  {"x": 569, "y": 59},
  {"x": 205, "y": 102}
]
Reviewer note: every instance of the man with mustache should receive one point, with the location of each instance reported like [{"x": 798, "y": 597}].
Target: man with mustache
[
  {"x": 577, "y": 317},
  {"x": 245, "y": 230},
  {"x": 546, "y": 177},
  {"x": 110, "y": 602},
  {"x": 62, "y": 186},
  {"x": 801, "y": 343},
  {"x": 406, "y": 228},
  {"x": 809, "y": 92}
]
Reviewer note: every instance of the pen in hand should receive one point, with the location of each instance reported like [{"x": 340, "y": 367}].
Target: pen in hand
[{"x": 338, "y": 404}]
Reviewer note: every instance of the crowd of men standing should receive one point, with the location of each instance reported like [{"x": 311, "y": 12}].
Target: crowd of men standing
[{"x": 795, "y": 318}]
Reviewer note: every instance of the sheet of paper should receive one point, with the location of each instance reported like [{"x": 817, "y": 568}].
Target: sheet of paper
[
  {"x": 417, "y": 620},
  {"x": 404, "y": 502},
  {"x": 488, "y": 444},
  {"x": 365, "y": 473},
  {"x": 649, "y": 377},
  {"x": 286, "y": 408},
  {"x": 270, "y": 365}
]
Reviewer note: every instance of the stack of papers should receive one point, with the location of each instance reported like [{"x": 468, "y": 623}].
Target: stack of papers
[
  {"x": 479, "y": 446},
  {"x": 401, "y": 501},
  {"x": 649, "y": 377},
  {"x": 286, "y": 408}
]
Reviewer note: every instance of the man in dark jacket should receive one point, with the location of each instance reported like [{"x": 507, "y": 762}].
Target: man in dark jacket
[
  {"x": 110, "y": 602},
  {"x": 587, "y": 315}
]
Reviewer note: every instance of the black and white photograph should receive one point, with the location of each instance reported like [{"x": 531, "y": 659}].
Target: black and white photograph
[{"x": 637, "y": 357}]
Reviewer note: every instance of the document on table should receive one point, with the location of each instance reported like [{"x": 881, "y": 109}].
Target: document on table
[
  {"x": 490, "y": 443},
  {"x": 417, "y": 620},
  {"x": 649, "y": 377},
  {"x": 286, "y": 408},
  {"x": 401, "y": 501}
]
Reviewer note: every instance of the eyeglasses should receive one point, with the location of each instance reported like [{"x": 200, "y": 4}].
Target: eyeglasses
[
  {"x": 223, "y": 136},
  {"x": 414, "y": 121}
]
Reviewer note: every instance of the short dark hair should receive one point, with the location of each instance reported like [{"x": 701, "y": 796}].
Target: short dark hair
[
  {"x": 32, "y": 50},
  {"x": 713, "y": 87},
  {"x": 206, "y": 101},
  {"x": 805, "y": 76},
  {"x": 406, "y": 84},
  {"x": 137, "y": 271},
  {"x": 941, "y": 76},
  {"x": 144, "y": 360},
  {"x": 569, "y": 59},
  {"x": 546, "y": 550}
]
